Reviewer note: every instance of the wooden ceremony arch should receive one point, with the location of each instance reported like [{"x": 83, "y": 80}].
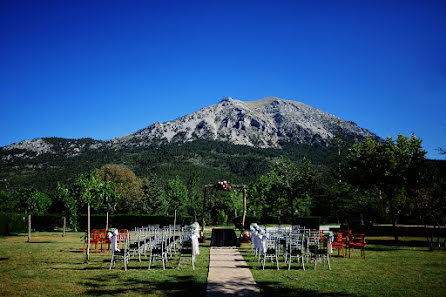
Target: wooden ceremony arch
[{"x": 214, "y": 186}]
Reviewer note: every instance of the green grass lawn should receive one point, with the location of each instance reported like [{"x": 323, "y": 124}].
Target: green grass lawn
[
  {"x": 52, "y": 265},
  {"x": 404, "y": 269}
]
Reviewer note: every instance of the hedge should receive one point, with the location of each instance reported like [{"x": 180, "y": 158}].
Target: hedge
[
  {"x": 12, "y": 223},
  {"x": 17, "y": 223}
]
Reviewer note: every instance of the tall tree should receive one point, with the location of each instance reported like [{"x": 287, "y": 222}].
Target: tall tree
[
  {"x": 177, "y": 195},
  {"x": 31, "y": 202},
  {"x": 90, "y": 189},
  {"x": 286, "y": 190},
  {"x": 69, "y": 205},
  {"x": 391, "y": 167},
  {"x": 127, "y": 184},
  {"x": 153, "y": 200}
]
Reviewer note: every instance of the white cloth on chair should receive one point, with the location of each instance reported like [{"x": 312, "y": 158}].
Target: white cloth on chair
[{"x": 113, "y": 236}]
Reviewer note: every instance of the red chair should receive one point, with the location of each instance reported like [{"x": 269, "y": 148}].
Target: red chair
[
  {"x": 103, "y": 238},
  {"x": 338, "y": 243},
  {"x": 94, "y": 239},
  {"x": 357, "y": 241}
]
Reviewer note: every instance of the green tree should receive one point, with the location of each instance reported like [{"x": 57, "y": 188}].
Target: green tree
[
  {"x": 8, "y": 202},
  {"x": 31, "y": 202},
  {"x": 126, "y": 184},
  {"x": 195, "y": 191},
  {"x": 69, "y": 205},
  {"x": 292, "y": 185},
  {"x": 258, "y": 195},
  {"x": 392, "y": 168},
  {"x": 153, "y": 200},
  {"x": 91, "y": 190},
  {"x": 286, "y": 191},
  {"x": 177, "y": 196}
]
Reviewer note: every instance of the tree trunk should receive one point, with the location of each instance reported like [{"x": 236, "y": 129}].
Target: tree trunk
[
  {"x": 106, "y": 222},
  {"x": 29, "y": 227},
  {"x": 88, "y": 233},
  {"x": 64, "y": 225},
  {"x": 175, "y": 219},
  {"x": 392, "y": 213},
  {"x": 244, "y": 207},
  {"x": 204, "y": 209}
]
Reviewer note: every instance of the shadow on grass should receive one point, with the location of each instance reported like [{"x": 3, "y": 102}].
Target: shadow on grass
[
  {"x": 173, "y": 286},
  {"x": 3, "y": 259},
  {"x": 40, "y": 242},
  {"x": 391, "y": 242},
  {"x": 272, "y": 289}
]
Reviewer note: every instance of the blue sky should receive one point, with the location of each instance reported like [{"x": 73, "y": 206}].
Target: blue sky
[{"x": 104, "y": 69}]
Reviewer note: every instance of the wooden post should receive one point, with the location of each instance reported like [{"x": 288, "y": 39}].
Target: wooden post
[
  {"x": 204, "y": 209},
  {"x": 88, "y": 233},
  {"x": 244, "y": 207},
  {"x": 175, "y": 220},
  {"x": 64, "y": 225},
  {"x": 106, "y": 222},
  {"x": 29, "y": 227}
]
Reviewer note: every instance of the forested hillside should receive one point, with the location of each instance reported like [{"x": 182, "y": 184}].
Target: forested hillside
[{"x": 209, "y": 160}]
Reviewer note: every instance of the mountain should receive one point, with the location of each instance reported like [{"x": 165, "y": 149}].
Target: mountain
[
  {"x": 261, "y": 123},
  {"x": 264, "y": 123},
  {"x": 233, "y": 140}
]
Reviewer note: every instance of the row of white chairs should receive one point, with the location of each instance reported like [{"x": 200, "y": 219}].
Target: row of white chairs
[
  {"x": 158, "y": 244},
  {"x": 292, "y": 243}
]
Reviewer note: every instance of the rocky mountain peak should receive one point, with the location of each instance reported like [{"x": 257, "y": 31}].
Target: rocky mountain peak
[{"x": 261, "y": 123}]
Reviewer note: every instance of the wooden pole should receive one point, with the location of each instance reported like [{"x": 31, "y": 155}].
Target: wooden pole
[
  {"x": 64, "y": 225},
  {"x": 175, "y": 220},
  {"x": 204, "y": 208},
  {"x": 244, "y": 207},
  {"x": 29, "y": 227},
  {"x": 106, "y": 222},
  {"x": 88, "y": 233}
]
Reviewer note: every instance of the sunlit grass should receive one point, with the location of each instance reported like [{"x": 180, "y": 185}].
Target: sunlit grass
[
  {"x": 390, "y": 269},
  {"x": 52, "y": 265}
]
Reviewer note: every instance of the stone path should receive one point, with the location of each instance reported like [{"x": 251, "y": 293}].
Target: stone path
[{"x": 229, "y": 275}]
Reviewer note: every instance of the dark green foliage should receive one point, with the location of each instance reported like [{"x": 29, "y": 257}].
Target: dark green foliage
[
  {"x": 31, "y": 201},
  {"x": 211, "y": 160},
  {"x": 285, "y": 192},
  {"x": 12, "y": 223},
  {"x": 8, "y": 202},
  {"x": 153, "y": 197},
  {"x": 237, "y": 221},
  {"x": 392, "y": 169},
  {"x": 46, "y": 222}
]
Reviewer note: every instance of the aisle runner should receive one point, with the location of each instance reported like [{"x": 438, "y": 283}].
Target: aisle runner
[{"x": 229, "y": 274}]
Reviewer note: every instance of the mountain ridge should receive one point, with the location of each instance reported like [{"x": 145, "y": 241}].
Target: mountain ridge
[{"x": 263, "y": 123}]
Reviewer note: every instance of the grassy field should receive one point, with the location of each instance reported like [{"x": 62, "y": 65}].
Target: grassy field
[
  {"x": 52, "y": 265},
  {"x": 390, "y": 269}
]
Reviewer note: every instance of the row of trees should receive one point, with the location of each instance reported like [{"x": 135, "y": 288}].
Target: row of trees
[{"x": 370, "y": 180}]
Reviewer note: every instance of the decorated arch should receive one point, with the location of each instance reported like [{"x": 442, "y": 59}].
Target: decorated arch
[{"x": 222, "y": 186}]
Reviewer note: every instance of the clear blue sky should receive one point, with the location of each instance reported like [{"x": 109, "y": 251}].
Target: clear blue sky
[{"x": 104, "y": 69}]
